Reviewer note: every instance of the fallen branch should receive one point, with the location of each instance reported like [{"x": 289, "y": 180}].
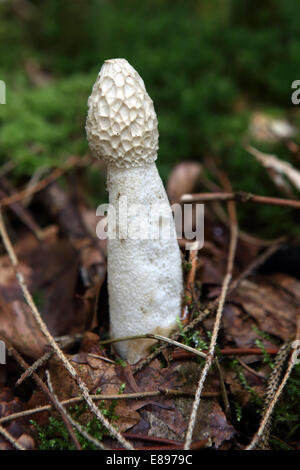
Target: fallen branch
[
  {"x": 208, "y": 363},
  {"x": 272, "y": 386},
  {"x": 225, "y": 286},
  {"x": 273, "y": 393},
  {"x": 240, "y": 196},
  {"x": 42, "y": 184},
  {"x": 123, "y": 396},
  {"x": 38, "y": 363},
  {"x": 178, "y": 355},
  {"x": 190, "y": 281},
  {"x": 157, "y": 337},
  {"x": 10, "y": 438},
  {"x": 271, "y": 407}
]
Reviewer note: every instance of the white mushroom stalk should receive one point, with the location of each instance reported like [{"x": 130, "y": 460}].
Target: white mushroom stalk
[{"x": 144, "y": 262}]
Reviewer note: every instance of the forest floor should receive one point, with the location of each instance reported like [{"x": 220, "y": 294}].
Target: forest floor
[{"x": 217, "y": 385}]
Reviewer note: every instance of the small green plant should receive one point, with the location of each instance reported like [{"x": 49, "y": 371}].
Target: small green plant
[
  {"x": 265, "y": 335},
  {"x": 186, "y": 266},
  {"x": 121, "y": 362},
  {"x": 54, "y": 435},
  {"x": 254, "y": 398},
  {"x": 238, "y": 411},
  {"x": 192, "y": 338},
  {"x": 286, "y": 419},
  {"x": 266, "y": 356}
]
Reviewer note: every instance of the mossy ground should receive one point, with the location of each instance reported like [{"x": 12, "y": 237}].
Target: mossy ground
[{"x": 206, "y": 64}]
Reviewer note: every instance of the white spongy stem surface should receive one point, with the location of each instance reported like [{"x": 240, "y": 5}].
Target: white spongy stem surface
[{"x": 144, "y": 275}]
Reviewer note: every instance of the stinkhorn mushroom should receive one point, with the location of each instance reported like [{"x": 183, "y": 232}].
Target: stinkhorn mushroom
[{"x": 144, "y": 272}]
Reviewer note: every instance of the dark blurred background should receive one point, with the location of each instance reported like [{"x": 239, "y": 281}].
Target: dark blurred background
[{"x": 210, "y": 66}]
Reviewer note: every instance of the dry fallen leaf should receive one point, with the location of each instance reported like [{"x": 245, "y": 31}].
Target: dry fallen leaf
[
  {"x": 182, "y": 180},
  {"x": 50, "y": 269},
  {"x": 271, "y": 307}
]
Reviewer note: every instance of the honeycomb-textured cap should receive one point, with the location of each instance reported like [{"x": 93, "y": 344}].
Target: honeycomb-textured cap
[{"x": 121, "y": 124}]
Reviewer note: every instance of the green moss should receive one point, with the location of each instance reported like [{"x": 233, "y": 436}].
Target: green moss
[
  {"x": 286, "y": 418},
  {"x": 254, "y": 398},
  {"x": 206, "y": 65},
  {"x": 54, "y": 435},
  {"x": 191, "y": 338}
]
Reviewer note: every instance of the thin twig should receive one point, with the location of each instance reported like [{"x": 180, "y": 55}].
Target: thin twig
[
  {"x": 159, "y": 338},
  {"x": 190, "y": 281},
  {"x": 64, "y": 342},
  {"x": 271, "y": 407},
  {"x": 71, "y": 421},
  {"x": 38, "y": 363},
  {"x": 72, "y": 371},
  {"x": 170, "y": 444},
  {"x": 10, "y": 438},
  {"x": 210, "y": 356},
  {"x": 271, "y": 396},
  {"x": 240, "y": 196},
  {"x": 32, "y": 183},
  {"x": 6, "y": 189},
  {"x": 123, "y": 396},
  {"x": 42, "y": 184},
  {"x": 208, "y": 363},
  {"x": 210, "y": 309},
  {"x": 64, "y": 415},
  {"x": 223, "y": 388},
  {"x": 7, "y": 167},
  {"x": 178, "y": 355},
  {"x": 102, "y": 358},
  {"x": 45, "y": 390},
  {"x": 182, "y": 346},
  {"x": 86, "y": 435},
  {"x": 222, "y": 215},
  {"x": 252, "y": 371}
]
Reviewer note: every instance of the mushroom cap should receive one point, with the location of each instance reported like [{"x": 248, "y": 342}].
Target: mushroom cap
[{"x": 121, "y": 124}]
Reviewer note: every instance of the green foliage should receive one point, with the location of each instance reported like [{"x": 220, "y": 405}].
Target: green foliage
[
  {"x": 266, "y": 356},
  {"x": 265, "y": 335},
  {"x": 36, "y": 124},
  {"x": 121, "y": 363},
  {"x": 191, "y": 338},
  {"x": 206, "y": 64},
  {"x": 254, "y": 398},
  {"x": 286, "y": 419},
  {"x": 285, "y": 424},
  {"x": 238, "y": 411},
  {"x": 54, "y": 435}
]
